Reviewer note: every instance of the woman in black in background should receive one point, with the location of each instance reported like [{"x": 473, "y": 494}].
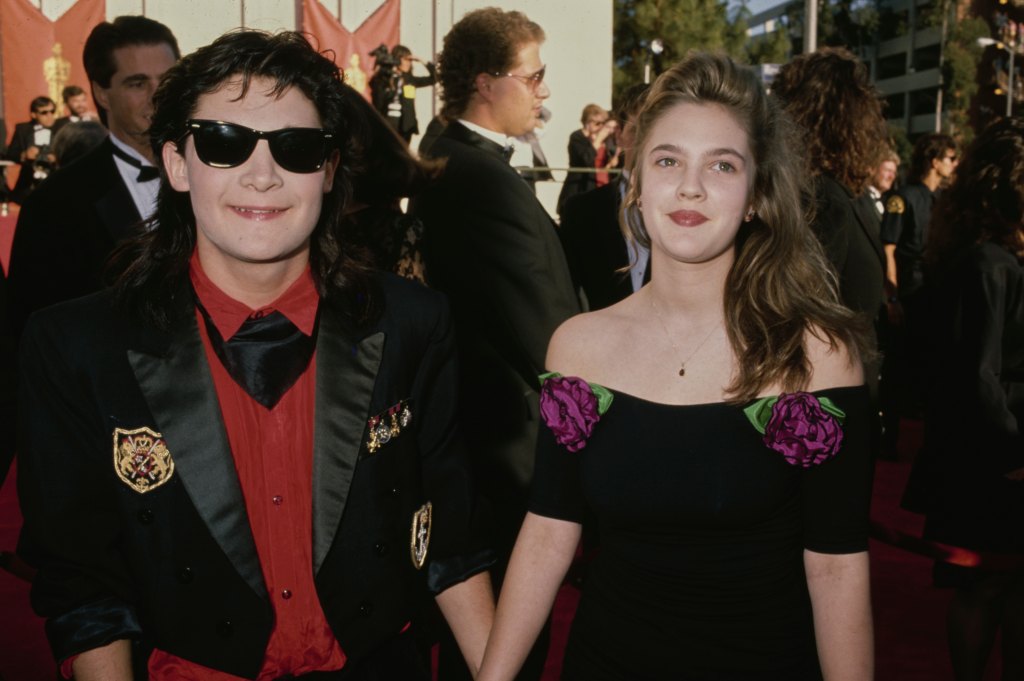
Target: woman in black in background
[{"x": 969, "y": 479}]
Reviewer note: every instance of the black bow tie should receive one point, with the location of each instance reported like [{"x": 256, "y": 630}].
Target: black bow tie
[
  {"x": 146, "y": 173},
  {"x": 266, "y": 355}
]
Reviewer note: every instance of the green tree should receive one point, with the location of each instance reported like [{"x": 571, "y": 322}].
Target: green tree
[
  {"x": 682, "y": 25},
  {"x": 961, "y": 57},
  {"x": 775, "y": 47}
]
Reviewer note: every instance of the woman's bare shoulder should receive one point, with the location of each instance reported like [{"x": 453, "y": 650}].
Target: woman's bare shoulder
[{"x": 584, "y": 344}]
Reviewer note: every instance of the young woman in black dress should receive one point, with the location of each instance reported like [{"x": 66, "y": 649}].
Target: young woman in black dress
[{"x": 714, "y": 423}]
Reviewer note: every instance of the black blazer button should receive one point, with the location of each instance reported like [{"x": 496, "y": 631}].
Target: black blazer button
[
  {"x": 185, "y": 575},
  {"x": 365, "y": 609},
  {"x": 225, "y": 628},
  {"x": 381, "y": 549},
  {"x": 395, "y": 491},
  {"x": 145, "y": 516}
]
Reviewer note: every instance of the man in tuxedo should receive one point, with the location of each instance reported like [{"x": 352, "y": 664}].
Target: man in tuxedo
[
  {"x": 595, "y": 246},
  {"x": 242, "y": 459},
  {"x": 71, "y": 223},
  {"x": 30, "y": 147},
  {"x": 490, "y": 245}
]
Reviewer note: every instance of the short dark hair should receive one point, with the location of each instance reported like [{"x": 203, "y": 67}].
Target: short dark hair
[
  {"x": 157, "y": 262},
  {"x": 39, "y": 102},
  {"x": 927, "y": 149},
  {"x": 98, "y": 54},
  {"x": 484, "y": 41},
  {"x": 630, "y": 101},
  {"x": 399, "y": 51},
  {"x": 71, "y": 91}
]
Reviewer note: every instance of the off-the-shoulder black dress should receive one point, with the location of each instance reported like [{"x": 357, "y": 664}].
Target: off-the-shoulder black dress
[{"x": 699, "y": 574}]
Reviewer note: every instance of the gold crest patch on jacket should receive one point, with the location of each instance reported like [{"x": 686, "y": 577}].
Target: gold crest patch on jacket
[
  {"x": 141, "y": 459},
  {"x": 387, "y": 425},
  {"x": 420, "y": 540},
  {"x": 895, "y": 205}
]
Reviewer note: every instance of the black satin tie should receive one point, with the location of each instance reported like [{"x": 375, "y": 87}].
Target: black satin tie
[
  {"x": 265, "y": 356},
  {"x": 146, "y": 173}
]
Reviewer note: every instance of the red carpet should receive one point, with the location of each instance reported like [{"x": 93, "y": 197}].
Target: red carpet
[{"x": 909, "y": 612}]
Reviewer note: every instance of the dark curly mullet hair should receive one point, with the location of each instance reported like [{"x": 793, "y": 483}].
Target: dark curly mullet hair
[{"x": 154, "y": 265}]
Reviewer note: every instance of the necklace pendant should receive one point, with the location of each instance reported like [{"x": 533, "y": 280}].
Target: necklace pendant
[{"x": 682, "y": 370}]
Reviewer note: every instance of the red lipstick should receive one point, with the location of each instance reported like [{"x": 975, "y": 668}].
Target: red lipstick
[{"x": 688, "y": 218}]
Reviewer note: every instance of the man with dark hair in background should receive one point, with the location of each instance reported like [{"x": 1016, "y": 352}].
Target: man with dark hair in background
[
  {"x": 77, "y": 103},
  {"x": 492, "y": 247},
  {"x": 243, "y": 460},
  {"x": 30, "y": 147},
  {"x": 69, "y": 226},
  {"x": 904, "y": 235},
  {"x": 393, "y": 90},
  {"x": 908, "y": 210}
]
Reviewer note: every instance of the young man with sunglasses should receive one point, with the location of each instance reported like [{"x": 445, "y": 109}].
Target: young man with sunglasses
[
  {"x": 492, "y": 247},
  {"x": 242, "y": 461},
  {"x": 68, "y": 227},
  {"x": 30, "y": 147}
]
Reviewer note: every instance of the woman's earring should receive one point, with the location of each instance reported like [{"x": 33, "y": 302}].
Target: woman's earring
[{"x": 750, "y": 215}]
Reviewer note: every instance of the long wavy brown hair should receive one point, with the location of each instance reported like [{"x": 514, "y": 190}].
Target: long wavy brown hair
[
  {"x": 829, "y": 96},
  {"x": 986, "y": 200},
  {"x": 780, "y": 286}
]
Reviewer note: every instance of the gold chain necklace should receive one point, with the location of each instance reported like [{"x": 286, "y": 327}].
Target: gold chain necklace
[{"x": 675, "y": 348}]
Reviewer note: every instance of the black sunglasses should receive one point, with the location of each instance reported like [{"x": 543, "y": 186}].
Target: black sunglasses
[{"x": 227, "y": 145}]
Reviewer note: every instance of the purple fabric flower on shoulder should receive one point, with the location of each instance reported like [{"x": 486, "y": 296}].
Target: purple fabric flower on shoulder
[
  {"x": 570, "y": 407},
  {"x": 806, "y": 430}
]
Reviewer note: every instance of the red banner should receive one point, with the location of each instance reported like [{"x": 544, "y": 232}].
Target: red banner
[
  {"x": 41, "y": 56},
  {"x": 352, "y": 48}
]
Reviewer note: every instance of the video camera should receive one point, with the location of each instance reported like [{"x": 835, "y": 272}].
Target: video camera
[{"x": 383, "y": 59}]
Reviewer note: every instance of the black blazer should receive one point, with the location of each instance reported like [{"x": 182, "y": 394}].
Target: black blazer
[
  {"x": 849, "y": 232},
  {"x": 66, "y": 230},
  {"x": 595, "y": 247},
  {"x": 582, "y": 154},
  {"x": 177, "y": 566},
  {"x": 492, "y": 247},
  {"x": 23, "y": 138}
]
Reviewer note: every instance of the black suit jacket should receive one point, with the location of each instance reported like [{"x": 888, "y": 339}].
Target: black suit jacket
[
  {"x": 490, "y": 245},
  {"x": 23, "y": 138},
  {"x": 66, "y": 231},
  {"x": 177, "y": 566},
  {"x": 595, "y": 247},
  {"x": 849, "y": 232}
]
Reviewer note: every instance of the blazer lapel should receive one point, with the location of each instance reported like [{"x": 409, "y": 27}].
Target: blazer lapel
[
  {"x": 869, "y": 225},
  {"x": 179, "y": 390},
  {"x": 115, "y": 206},
  {"x": 346, "y": 371},
  {"x": 459, "y": 132}
]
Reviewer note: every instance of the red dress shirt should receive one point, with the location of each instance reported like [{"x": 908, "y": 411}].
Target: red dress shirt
[{"x": 273, "y": 452}]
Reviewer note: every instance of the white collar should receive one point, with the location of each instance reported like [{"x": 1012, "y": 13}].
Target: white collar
[
  {"x": 496, "y": 137},
  {"x": 131, "y": 151}
]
